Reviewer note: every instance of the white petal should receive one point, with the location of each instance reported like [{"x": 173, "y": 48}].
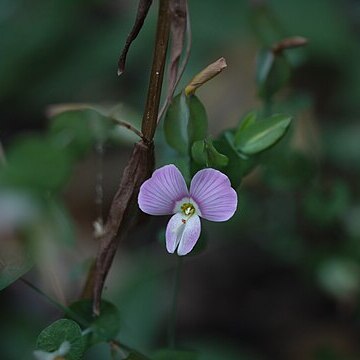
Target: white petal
[
  {"x": 182, "y": 233},
  {"x": 174, "y": 231},
  {"x": 190, "y": 235}
]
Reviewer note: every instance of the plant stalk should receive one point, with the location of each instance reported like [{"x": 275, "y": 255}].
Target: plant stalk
[
  {"x": 174, "y": 305},
  {"x": 124, "y": 210}
]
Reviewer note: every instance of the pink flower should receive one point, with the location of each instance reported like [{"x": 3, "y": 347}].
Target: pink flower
[{"x": 210, "y": 197}]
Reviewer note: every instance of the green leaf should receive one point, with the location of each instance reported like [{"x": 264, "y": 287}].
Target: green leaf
[
  {"x": 238, "y": 165},
  {"x": 175, "y": 124},
  {"x": 52, "y": 337},
  {"x": 36, "y": 163},
  {"x": 79, "y": 130},
  {"x": 247, "y": 120},
  {"x": 272, "y": 73},
  {"x": 215, "y": 159},
  {"x": 185, "y": 122},
  {"x": 167, "y": 354},
  {"x": 263, "y": 134},
  {"x": 101, "y": 328},
  {"x": 198, "y": 152},
  {"x": 204, "y": 153},
  {"x": 198, "y": 123}
]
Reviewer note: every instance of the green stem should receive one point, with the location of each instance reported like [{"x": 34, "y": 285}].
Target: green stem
[
  {"x": 173, "y": 314},
  {"x": 65, "y": 309}
]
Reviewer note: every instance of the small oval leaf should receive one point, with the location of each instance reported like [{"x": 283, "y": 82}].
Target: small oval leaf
[
  {"x": 273, "y": 72},
  {"x": 198, "y": 123},
  {"x": 204, "y": 153},
  {"x": 247, "y": 120},
  {"x": 63, "y": 330},
  {"x": 198, "y": 152},
  {"x": 215, "y": 158},
  {"x": 100, "y": 328},
  {"x": 262, "y": 135},
  {"x": 175, "y": 124},
  {"x": 185, "y": 122}
]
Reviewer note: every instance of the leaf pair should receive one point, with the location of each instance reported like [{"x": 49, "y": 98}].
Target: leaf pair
[
  {"x": 92, "y": 330},
  {"x": 185, "y": 122},
  {"x": 252, "y": 137}
]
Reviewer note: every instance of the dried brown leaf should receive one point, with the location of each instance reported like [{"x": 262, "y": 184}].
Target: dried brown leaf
[
  {"x": 205, "y": 75},
  {"x": 289, "y": 43},
  {"x": 142, "y": 11},
  {"x": 178, "y": 26}
]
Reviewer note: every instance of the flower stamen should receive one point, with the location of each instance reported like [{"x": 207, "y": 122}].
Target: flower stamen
[{"x": 188, "y": 209}]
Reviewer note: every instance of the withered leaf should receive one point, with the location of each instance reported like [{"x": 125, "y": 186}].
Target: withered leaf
[{"x": 142, "y": 11}]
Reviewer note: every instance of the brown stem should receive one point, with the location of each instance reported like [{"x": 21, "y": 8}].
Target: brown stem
[{"x": 124, "y": 209}]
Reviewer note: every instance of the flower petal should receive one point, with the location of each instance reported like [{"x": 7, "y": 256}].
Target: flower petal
[
  {"x": 190, "y": 235},
  {"x": 182, "y": 233},
  {"x": 212, "y": 192},
  {"x": 174, "y": 232},
  {"x": 159, "y": 194}
]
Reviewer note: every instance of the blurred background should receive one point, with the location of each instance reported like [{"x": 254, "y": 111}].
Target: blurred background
[{"x": 281, "y": 280}]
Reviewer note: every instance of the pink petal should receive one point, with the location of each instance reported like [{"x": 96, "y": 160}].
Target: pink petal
[
  {"x": 159, "y": 194},
  {"x": 182, "y": 233},
  {"x": 212, "y": 192}
]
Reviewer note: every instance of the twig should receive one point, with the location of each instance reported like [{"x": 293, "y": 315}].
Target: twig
[
  {"x": 117, "y": 346},
  {"x": 124, "y": 210},
  {"x": 127, "y": 126},
  {"x": 174, "y": 305},
  {"x": 63, "y": 308}
]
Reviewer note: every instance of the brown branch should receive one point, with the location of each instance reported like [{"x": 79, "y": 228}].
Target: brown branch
[
  {"x": 127, "y": 126},
  {"x": 124, "y": 209},
  {"x": 149, "y": 122}
]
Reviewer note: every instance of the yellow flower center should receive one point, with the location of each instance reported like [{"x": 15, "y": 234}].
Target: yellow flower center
[{"x": 188, "y": 209}]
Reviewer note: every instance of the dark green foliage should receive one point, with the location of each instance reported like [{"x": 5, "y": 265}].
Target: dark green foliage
[
  {"x": 98, "y": 328},
  {"x": 52, "y": 337}
]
